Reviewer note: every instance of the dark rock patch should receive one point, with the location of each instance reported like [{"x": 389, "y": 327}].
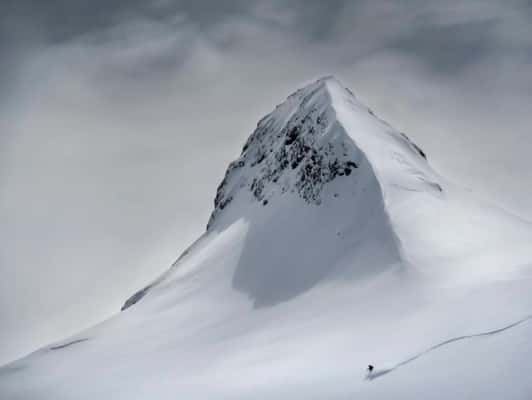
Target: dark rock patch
[{"x": 62, "y": 346}]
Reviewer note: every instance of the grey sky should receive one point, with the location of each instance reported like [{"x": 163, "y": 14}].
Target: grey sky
[{"x": 117, "y": 120}]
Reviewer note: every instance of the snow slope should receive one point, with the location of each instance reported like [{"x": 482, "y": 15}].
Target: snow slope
[{"x": 332, "y": 245}]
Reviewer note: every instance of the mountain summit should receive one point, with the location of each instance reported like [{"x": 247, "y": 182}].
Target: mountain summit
[
  {"x": 320, "y": 133},
  {"x": 310, "y": 184},
  {"x": 323, "y": 181},
  {"x": 332, "y": 245}
]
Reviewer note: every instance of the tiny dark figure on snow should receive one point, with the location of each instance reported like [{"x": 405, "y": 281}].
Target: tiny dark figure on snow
[{"x": 370, "y": 368}]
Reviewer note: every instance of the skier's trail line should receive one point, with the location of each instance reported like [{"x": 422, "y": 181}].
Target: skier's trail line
[{"x": 378, "y": 373}]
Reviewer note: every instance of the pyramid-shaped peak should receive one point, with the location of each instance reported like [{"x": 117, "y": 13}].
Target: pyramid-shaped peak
[{"x": 320, "y": 133}]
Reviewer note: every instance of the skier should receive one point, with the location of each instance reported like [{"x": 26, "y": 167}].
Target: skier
[{"x": 370, "y": 368}]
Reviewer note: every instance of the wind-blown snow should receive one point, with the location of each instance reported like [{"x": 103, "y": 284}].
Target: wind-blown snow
[{"x": 333, "y": 244}]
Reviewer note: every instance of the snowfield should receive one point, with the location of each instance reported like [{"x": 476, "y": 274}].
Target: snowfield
[{"x": 332, "y": 245}]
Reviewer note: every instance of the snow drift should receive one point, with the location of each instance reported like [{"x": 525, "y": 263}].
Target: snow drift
[{"x": 332, "y": 244}]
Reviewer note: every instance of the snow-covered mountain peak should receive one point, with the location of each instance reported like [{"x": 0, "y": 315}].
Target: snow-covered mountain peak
[
  {"x": 319, "y": 133},
  {"x": 321, "y": 176},
  {"x": 333, "y": 245}
]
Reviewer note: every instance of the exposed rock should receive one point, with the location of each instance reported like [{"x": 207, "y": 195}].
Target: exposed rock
[{"x": 294, "y": 156}]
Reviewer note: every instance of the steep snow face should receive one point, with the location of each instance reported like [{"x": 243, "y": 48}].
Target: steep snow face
[{"x": 332, "y": 245}]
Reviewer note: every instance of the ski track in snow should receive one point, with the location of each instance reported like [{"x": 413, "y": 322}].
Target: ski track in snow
[{"x": 378, "y": 373}]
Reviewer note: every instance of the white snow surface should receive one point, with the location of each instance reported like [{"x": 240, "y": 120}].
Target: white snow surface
[{"x": 333, "y": 245}]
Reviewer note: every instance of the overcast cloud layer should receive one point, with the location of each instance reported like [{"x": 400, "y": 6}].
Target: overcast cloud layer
[{"x": 118, "y": 119}]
